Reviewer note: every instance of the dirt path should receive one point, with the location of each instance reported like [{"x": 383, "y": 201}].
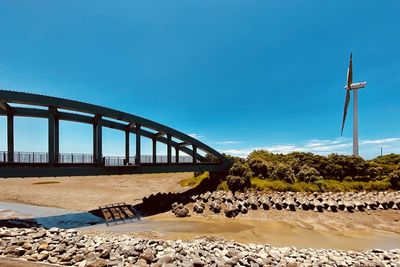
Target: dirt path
[{"x": 88, "y": 192}]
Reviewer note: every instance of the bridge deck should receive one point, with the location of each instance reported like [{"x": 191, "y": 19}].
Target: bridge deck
[{"x": 54, "y": 163}]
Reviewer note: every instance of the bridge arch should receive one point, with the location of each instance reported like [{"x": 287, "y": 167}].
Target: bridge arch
[{"x": 55, "y": 109}]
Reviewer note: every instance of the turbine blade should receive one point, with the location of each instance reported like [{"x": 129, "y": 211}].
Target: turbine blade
[
  {"x": 350, "y": 72},
  {"x": 346, "y": 105}
]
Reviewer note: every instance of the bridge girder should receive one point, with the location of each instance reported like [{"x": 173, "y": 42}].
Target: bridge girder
[{"x": 107, "y": 117}]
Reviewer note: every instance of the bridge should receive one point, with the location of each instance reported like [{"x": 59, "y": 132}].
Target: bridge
[{"x": 197, "y": 155}]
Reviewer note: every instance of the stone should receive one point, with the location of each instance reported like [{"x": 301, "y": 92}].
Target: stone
[
  {"x": 52, "y": 260},
  {"x": 147, "y": 255},
  {"x": 54, "y": 230},
  {"x": 39, "y": 234},
  {"x": 97, "y": 263},
  {"x": 183, "y": 212},
  {"x": 27, "y": 245},
  {"x": 42, "y": 247},
  {"x": 91, "y": 256},
  {"x": 66, "y": 257},
  {"x": 165, "y": 259},
  {"x": 43, "y": 256}
]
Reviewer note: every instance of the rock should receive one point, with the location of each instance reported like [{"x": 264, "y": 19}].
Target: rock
[
  {"x": 43, "y": 256},
  {"x": 27, "y": 246},
  {"x": 42, "y": 247},
  {"x": 52, "y": 260},
  {"x": 183, "y": 212},
  {"x": 39, "y": 234},
  {"x": 54, "y": 230},
  {"x": 147, "y": 255},
  {"x": 97, "y": 263},
  {"x": 90, "y": 257},
  {"x": 61, "y": 248},
  {"x": 165, "y": 259},
  {"x": 66, "y": 257}
]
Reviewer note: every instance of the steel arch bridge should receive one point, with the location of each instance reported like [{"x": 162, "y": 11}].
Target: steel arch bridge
[{"x": 53, "y": 163}]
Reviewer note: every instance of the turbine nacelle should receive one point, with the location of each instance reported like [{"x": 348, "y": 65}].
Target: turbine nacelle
[{"x": 356, "y": 86}]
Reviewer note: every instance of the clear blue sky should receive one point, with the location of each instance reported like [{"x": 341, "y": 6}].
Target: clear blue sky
[{"x": 237, "y": 74}]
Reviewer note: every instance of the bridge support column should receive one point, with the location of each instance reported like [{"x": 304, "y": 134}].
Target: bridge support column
[
  {"x": 194, "y": 154},
  {"x": 57, "y": 140},
  {"x": 168, "y": 148},
  {"x": 176, "y": 154},
  {"x": 10, "y": 137},
  {"x": 53, "y": 135},
  {"x": 97, "y": 140},
  {"x": 154, "y": 150},
  {"x": 127, "y": 147},
  {"x": 138, "y": 151}
]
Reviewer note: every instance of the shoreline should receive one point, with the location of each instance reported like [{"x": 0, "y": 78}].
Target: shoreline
[
  {"x": 69, "y": 247},
  {"x": 276, "y": 227}
]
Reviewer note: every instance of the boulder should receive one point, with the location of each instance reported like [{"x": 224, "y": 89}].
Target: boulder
[{"x": 182, "y": 212}]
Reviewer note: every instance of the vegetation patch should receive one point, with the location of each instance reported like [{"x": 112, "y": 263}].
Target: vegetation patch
[
  {"x": 305, "y": 172},
  {"x": 195, "y": 180},
  {"x": 46, "y": 182}
]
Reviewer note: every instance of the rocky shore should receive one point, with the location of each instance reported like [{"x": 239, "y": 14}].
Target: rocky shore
[
  {"x": 69, "y": 247},
  {"x": 234, "y": 204}
]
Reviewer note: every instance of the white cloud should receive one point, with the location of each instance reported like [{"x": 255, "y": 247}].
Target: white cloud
[
  {"x": 196, "y": 136},
  {"x": 369, "y": 148},
  {"x": 379, "y": 141},
  {"x": 227, "y": 142}
]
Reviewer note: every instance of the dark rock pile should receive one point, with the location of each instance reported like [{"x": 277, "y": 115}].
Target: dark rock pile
[
  {"x": 179, "y": 210},
  {"x": 233, "y": 204},
  {"x": 69, "y": 247}
]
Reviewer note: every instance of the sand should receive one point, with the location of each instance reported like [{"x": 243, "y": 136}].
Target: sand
[{"x": 88, "y": 192}]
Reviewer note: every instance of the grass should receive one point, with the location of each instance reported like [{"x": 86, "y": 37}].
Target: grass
[
  {"x": 46, "y": 182},
  {"x": 194, "y": 181},
  {"x": 279, "y": 185},
  {"x": 337, "y": 186},
  {"x": 323, "y": 185}
]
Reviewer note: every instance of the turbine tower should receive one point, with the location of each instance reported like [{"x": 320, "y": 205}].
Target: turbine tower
[{"x": 350, "y": 86}]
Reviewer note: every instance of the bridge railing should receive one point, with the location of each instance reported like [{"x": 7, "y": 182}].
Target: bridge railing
[{"x": 81, "y": 158}]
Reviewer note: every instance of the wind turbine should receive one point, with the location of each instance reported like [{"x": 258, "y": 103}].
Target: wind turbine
[{"x": 350, "y": 86}]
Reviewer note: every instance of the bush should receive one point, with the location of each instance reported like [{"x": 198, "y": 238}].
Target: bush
[
  {"x": 284, "y": 172},
  {"x": 241, "y": 170},
  {"x": 261, "y": 185},
  {"x": 308, "y": 174},
  {"x": 237, "y": 183},
  {"x": 394, "y": 179},
  {"x": 261, "y": 168}
]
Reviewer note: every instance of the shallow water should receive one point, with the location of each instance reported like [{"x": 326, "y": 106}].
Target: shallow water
[
  {"x": 262, "y": 232},
  {"x": 275, "y": 233}
]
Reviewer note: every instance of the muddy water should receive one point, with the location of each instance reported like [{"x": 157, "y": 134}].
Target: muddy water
[
  {"x": 257, "y": 231},
  {"x": 276, "y": 233}
]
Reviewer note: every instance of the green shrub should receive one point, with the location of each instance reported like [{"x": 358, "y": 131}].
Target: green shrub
[
  {"x": 380, "y": 185},
  {"x": 305, "y": 187},
  {"x": 261, "y": 168},
  {"x": 348, "y": 179},
  {"x": 241, "y": 170},
  {"x": 284, "y": 172},
  {"x": 308, "y": 174},
  {"x": 275, "y": 185},
  {"x": 394, "y": 179},
  {"x": 238, "y": 183}
]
